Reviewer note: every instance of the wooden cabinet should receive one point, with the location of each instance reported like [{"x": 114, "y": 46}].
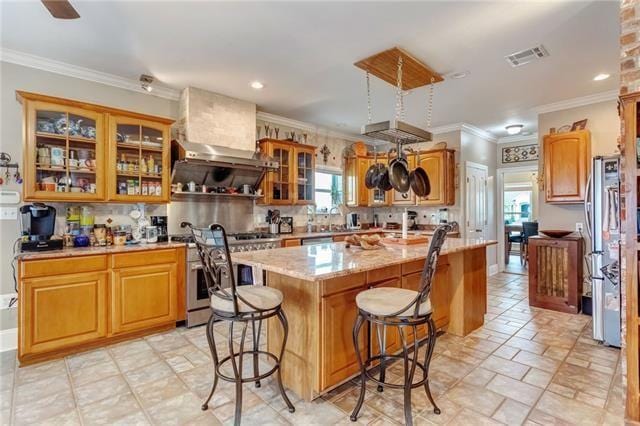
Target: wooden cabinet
[
  {"x": 143, "y": 296},
  {"x": 294, "y": 242},
  {"x": 555, "y": 273},
  {"x": 566, "y": 166},
  {"x": 440, "y": 167},
  {"x": 356, "y": 193},
  {"x": 139, "y": 169},
  {"x": 338, "y": 353},
  {"x": 62, "y": 311},
  {"x": 69, "y": 304},
  {"x": 72, "y": 150},
  {"x": 293, "y": 182}
]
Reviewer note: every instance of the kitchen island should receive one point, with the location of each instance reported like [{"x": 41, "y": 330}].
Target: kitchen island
[{"x": 320, "y": 284}]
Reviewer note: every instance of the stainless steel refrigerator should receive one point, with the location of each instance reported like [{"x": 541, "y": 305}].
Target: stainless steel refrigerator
[{"x": 602, "y": 210}]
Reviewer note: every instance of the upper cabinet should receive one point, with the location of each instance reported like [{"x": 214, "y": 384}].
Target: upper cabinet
[
  {"x": 139, "y": 160},
  {"x": 440, "y": 167},
  {"x": 566, "y": 166},
  {"x": 356, "y": 193},
  {"x": 75, "y": 151},
  {"x": 293, "y": 182}
]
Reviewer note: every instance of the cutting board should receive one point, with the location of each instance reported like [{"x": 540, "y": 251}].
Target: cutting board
[{"x": 411, "y": 239}]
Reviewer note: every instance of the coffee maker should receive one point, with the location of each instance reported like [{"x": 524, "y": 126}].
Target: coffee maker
[
  {"x": 161, "y": 223},
  {"x": 38, "y": 222},
  {"x": 353, "y": 221}
]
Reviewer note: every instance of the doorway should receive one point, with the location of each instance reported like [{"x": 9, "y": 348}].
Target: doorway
[{"x": 517, "y": 205}]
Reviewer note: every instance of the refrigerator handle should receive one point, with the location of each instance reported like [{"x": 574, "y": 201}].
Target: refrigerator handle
[{"x": 587, "y": 205}]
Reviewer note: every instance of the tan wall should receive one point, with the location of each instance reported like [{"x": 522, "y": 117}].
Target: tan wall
[
  {"x": 15, "y": 77},
  {"x": 604, "y": 125}
]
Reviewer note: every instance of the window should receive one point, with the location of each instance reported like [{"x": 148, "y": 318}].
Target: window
[
  {"x": 517, "y": 206},
  {"x": 328, "y": 191}
]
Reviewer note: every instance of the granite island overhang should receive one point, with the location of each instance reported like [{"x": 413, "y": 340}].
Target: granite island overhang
[{"x": 320, "y": 284}]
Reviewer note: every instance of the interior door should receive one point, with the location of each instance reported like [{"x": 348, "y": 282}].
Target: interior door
[{"x": 476, "y": 201}]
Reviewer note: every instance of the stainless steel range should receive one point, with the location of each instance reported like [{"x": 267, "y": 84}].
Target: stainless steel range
[{"x": 197, "y": 296}]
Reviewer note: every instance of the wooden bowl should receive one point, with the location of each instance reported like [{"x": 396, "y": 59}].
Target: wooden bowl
[{"x": 556, "y": 233}]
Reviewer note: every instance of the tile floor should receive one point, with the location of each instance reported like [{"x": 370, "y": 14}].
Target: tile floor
[{"x": 525, "y": 366}]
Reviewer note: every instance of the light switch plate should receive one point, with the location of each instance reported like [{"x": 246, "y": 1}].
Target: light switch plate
[
  {"x": 579, "y": 226},
  {"x": 8, "y": 213}
]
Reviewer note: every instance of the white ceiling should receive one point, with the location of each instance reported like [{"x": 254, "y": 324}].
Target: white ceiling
[{"x": 303, "y": 52}]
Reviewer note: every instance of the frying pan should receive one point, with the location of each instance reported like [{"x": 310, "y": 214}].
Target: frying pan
[
  {"x": 384, "y": 183},
  {"x": 419, "y": 181},
  {"x": 399, "y": 172},
  {"x": 372, "y": 176}
]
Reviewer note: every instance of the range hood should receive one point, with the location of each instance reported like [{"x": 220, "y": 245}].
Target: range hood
[{"x": 217, "y": 166}]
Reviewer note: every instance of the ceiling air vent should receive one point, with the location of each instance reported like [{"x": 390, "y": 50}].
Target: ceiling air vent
[{"x": 525, "y": 56}]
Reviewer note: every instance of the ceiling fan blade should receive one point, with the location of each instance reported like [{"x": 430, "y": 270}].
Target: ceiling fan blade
[{"x": 60, "y": 9}]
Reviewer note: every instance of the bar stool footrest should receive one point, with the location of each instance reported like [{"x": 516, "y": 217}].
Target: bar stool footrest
[
  {"x": 369, "y": 361},
  {"x": 252, "y": 378}
]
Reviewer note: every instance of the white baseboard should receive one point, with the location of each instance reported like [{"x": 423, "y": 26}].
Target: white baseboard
[
  {"x": 493, "y": 269},
  {"x": 8, "y": 339}
]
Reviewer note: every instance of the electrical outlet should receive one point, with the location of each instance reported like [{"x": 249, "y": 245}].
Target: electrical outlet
[
  {"x": 8, "y": 213},
  {"x": 579, "y": 226}
]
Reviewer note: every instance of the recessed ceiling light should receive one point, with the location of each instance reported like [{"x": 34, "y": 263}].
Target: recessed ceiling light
[
  {"x": 514, "y": 129},
  {"x": 458, "y": 75},
  {"x": 600, "y": 77},
  {"x": 256, "y": 85}
]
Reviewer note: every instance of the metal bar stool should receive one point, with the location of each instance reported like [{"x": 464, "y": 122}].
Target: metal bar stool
[
  {"x": 236, "y": 304},
  {"x": 389, "y": 306}
]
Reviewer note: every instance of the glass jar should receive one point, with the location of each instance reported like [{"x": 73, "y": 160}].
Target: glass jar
[{"x": 120, "y": 238}]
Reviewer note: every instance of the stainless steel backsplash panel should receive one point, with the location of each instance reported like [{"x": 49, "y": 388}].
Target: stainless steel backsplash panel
[{"x": 236, "y": 215}]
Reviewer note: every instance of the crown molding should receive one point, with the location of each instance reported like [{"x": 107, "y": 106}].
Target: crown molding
[
  {"x": 476, "y": 131},
  {"x": 577, "y": 102},
  {"x": 310, "y": 127},
  {"x": 63, "y": 68},
  {"x": 454, "y": 127},
  {"x": 519, "y": 138}
]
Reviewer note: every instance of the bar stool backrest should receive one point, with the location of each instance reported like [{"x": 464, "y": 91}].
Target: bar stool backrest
[
  {"x": 430, "y": 264},
  {"x": 217, "y": 267}
]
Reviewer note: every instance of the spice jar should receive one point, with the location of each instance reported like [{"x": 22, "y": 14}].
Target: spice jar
[
  {"x": 100, "y": 231},
  {"x": 120, "y": 238}
]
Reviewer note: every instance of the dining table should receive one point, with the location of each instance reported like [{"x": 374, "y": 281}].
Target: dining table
[{"x": 508, "y": 229}]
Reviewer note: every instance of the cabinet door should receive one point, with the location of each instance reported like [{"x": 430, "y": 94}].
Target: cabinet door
[
  {"x": 405, "y": 198},
  {"x": 279, "y": 185},
  {"x": 65, "y": 151},
  {"x": 566, "y": 166},
  {"x": 433, "y": 164},
  {"x": 305, "y": 168},
  {"x": 138, "y": 161},
  {"x": 393, "y": 343},
  {"x": 350, "y": 182},
  {"x": 363, "y": 193},
  {"x": 338, "y": 353},
  {"x": 62, "y": 311},
  {"x": 143, "y": 296},
  {"x": 295, "y": 242}
]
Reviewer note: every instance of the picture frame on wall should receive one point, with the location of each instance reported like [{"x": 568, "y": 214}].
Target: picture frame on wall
[
  {"x": 520, "y": 153},
  {"x": 579, "y": 125}
]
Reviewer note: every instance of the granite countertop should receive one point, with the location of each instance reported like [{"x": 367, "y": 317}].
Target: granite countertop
[
  {"x": 323, "y": 261},
  {"x": 321, "y": 234},
  {"x": 87, "y": 251}
]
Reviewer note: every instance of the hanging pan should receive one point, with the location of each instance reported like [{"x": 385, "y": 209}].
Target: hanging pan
[
  {"x": 372, "y": 176},
  {"x": 399, "y": 172},
  {"x": 419, "y": 181},
  {"x": 384, "y": 183}
]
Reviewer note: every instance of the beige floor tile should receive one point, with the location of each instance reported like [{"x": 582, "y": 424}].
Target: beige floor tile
[
  {"x": 537, "y": 417},
  {"x": 543, "y": 363},
  {"x": 137, "y": 418},
  {"x": 6, "y": 380},
  {"x": 511, "y": 412},
  {"x": 471, "y": 417},
  {"x": 33, "y": 391},
  {"x": 136, "y": 360},
  {"x": 505, "y": 367},
  {"x": 148, "y": 374},
  {"x": 33, "y": 373},
  {"x": 95, "y": 391},
  {"x": 94, "y": 373},
  {"x": 538, "y": 378},
  {"x": 44, "y": 408},
  {"x": 262, "y": 416},
  {"x": 479, "y": 377},
  {"x": 125, "y": 349},
  {"x": 475, "y": 398},
  {"x": 556, "y": 353},
  {"x": 67, "y": 418},
  {"x": 506, "y": 352},
  {"x": 527, "y": 345},
  {"x": 109, "y": 410},
  {"x": 176, "y": 410},
  {"x": 87, "y": 359},
  {"x": 568, "y": 409},
  {"x": 152, "y": 393},
  {"x": 204, "y": 419},
  {"x": 166, "y": 341},
  {"x": 514, "y": 389}
]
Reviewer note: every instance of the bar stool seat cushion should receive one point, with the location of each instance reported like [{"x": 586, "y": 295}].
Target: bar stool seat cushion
[
  {"x": 384, "y": 301},
  {"x": 262, "y": 297}
]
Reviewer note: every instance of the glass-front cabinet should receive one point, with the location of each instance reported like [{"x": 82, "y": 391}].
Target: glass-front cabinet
[
  {"x": 65, "y": 149},
  {"x": 139, "y": 162},
  {"x": 75, "y": 151},
  {"x": 293, "y": 182}
]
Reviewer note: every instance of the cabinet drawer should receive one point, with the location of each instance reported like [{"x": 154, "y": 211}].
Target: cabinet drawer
[
  {"x": 413, "y": 266},
  {"x": 339, "y": 284},
  {"x": 75, "y": 265},
  {"x": 141, "y": 258},
  {"x": 383, "y": 274}
]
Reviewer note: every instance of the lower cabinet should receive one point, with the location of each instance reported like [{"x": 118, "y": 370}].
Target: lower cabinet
[
  {"x": 69, "y": 304},
  {"x": 143, "y": 297},
  {"x": 62, "y": 311}
]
